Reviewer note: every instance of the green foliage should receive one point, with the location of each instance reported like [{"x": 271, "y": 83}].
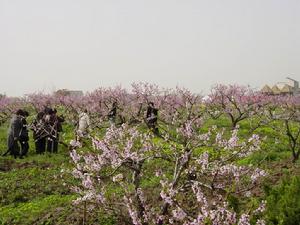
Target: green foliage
[
  {"x": 283, "y": 202},
  {"x": 264, "y": 157},
  {"x": 28, "y": 180},
  {"x": 30, "y": 212},
  {"x": 234, "y": 202}
]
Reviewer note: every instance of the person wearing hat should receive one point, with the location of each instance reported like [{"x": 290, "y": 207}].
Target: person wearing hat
[{"x": 14, "y": 132}]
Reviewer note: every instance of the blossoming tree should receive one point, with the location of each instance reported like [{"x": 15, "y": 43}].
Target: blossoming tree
[{"x": 191, "y": 171}]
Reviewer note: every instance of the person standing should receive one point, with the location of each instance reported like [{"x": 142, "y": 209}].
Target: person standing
[
  {"x": 39, "y": 133},
  {"x": 112, "y": 114},
  {"x": 24, "y": 137},
  {"x": 14, "y": 132},
  {"x": 54, "y": 125},
  {"x": 83, "y": 124},
  {"x": 151, "y": 118}
]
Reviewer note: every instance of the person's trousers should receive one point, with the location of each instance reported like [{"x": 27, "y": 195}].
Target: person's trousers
[
  {"x": 52, "y": 145},
  {"x": 40, "y": 145},
  {"x": 24, "y": 148}
]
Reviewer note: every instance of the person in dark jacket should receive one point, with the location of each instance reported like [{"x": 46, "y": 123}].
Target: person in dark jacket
[
  {"x": 151, "y": 118},
  {"x": 54, "y": 126},
  {"x": 24, "y": 137},
  {"x": 39, "y": 133},
  {"x": 113, "y": 114},
  {"x": 14, "y": 132}
]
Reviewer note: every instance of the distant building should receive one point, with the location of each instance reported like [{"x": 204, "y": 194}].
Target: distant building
[
  {"x": 66, "y": 92},
  {"x": 276, "y": 90},
  {"x": 295, "y": 86},
  {"x": 267, "y": 90},
  {"x": 285, "y": 89}
]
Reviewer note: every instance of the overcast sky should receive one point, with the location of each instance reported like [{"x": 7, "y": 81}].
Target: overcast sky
[{"x": 47, "y": 45}]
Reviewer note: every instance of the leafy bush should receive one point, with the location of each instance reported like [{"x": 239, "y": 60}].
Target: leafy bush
[{"x": 283, "y": 202}]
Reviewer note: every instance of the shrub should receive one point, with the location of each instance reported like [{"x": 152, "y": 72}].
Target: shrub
[{"x": 283, "y": 202}]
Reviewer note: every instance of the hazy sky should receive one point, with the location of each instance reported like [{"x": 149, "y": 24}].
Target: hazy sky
[{"x": 83, "y": 44}]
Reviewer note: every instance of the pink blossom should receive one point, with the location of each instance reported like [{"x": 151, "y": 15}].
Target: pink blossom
[
  {"x": 178, "y": 214},
  {"x": 244, "y": 220},
  {"x": 75, "y": 156},
  {"x": 257, "y": 174}
]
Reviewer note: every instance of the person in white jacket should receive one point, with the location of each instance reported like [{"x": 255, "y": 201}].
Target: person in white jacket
[{"x": 83, "y": 124}]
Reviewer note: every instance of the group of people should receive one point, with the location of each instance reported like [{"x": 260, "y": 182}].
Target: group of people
[
  {"x": 83, "y": 125},
  {"x": 151, "y": 116},
  {"x": 45, "y": 127}
]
